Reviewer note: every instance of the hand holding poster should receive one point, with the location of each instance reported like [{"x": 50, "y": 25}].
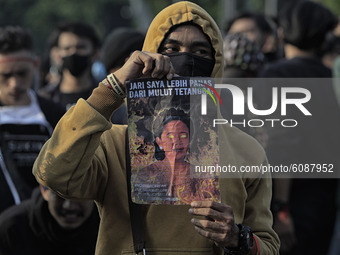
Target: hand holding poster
[{"x": 168, "y": 136}]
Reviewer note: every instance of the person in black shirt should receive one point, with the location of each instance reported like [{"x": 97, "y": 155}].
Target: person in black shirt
[
  {"x": 49, "y": 224},
  {"x": 77, "y": 49},
  {"x": 26, "y": 120},
  {"x": 305, "y": 206}
]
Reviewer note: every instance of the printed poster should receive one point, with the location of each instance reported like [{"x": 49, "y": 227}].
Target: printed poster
[{"x": 168, "y": 137}]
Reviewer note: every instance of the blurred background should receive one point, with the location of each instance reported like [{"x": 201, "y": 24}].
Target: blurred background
[{"x": 41, "y": 16}]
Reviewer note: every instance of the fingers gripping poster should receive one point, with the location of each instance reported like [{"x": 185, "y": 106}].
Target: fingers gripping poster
[{"x": 168, "y": 137}]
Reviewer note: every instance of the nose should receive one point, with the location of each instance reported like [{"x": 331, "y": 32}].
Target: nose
[
  {"x": 184, "y": 49},
  {"x": 69, "y": 205},
  {"x": 72, "y": 50},
  {"x": 13, "y": 82},
  {"x": 177, "y": 140},
  {"x": 68, "y": 51}
]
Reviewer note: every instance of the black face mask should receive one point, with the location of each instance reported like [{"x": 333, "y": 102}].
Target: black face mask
[
  {"x": 76, "y": 64},
  {"x": 187, "y": 64}
]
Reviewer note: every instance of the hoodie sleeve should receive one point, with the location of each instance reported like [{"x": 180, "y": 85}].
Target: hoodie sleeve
[
  {"x": 258, "y": 215},
  {"x": 73, "y": 162}
]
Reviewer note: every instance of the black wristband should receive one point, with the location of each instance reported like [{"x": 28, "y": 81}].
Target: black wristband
[{"x": 246, "y": 241}]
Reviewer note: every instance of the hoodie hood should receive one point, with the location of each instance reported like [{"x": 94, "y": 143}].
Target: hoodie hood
[{"x": 182, "y": 12}]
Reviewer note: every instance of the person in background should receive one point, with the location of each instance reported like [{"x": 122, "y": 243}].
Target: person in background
[
  {"x": 88, "y": 157},
  {"x": 26, "y": 120},
  {"x": 116, "y": 50},
  {"x": 331, "y": 58},
  {"x": 243, "y": 59},
  {"x": 49, "y": 224},
  {"x": 260, "y": 29},
  {"x": 330, "y": 50},
  {"x": 50, "y": 68},
  {"x": 118, "y": 46},
  {"x": 77, "y": 49},
  {"x": 305, "y": 206}
]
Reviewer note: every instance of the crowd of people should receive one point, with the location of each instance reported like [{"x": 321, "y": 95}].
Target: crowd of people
[{"x": 64, "y": 116}]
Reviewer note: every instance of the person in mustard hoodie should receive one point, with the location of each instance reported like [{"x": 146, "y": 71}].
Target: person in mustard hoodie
[{"x": 86, "y": 157}]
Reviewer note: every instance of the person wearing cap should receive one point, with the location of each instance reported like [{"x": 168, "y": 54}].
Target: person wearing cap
[
  {"x": 118, "y": 46},
  {"x": 92, "y": 153}
]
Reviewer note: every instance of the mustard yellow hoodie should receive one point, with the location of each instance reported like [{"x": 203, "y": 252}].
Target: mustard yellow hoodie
[
  {"x": 85, "y": 159},
  {"x": 180, "y": 13}
]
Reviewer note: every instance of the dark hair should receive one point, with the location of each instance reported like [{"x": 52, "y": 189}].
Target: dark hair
[
  {"x": 306, "y": 24},
  {"x": 331, "y": 44},
  {"x": 262, "y": 23},
  {"x": 15, "y": 38},
  {"x": 163, "y": 118},
  {"x": 80, "y": 29},
  {"x": 166, "y": 116},
  {"x": 118, "y": 45},
  {"x": 259, "y": 19}
]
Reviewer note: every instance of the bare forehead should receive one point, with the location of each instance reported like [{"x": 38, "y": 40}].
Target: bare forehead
[
  {"x": 68, "y": 38},
  {"x": 242, "y": 24}
]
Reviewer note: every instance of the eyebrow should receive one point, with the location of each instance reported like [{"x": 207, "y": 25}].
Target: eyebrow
[
  {"x": 194, "y": 44},
  {"x": 183, "y": 132}
]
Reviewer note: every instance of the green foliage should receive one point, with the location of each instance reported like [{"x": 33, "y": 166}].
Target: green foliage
[
  {"x": 334, "y": 5},
  {"x": 42, "y": 16}
]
